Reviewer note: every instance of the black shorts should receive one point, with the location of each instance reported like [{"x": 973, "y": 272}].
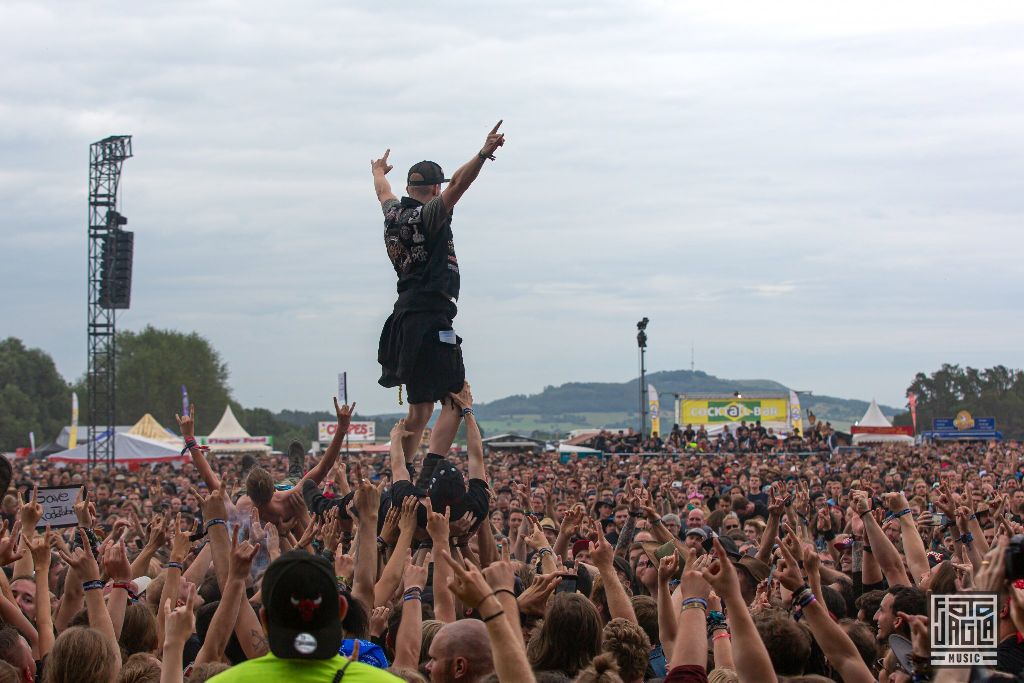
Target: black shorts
[{"x": 438, "y": 371}]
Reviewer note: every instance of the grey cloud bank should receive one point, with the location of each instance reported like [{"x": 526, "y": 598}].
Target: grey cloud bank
[{"x": 823, "y": 195}]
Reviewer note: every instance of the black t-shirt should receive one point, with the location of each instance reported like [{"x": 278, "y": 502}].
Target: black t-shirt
[{"x": 419, "y": 241}]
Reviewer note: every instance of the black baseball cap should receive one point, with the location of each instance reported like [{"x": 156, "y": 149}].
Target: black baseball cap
[
  {"x": 300, "y": 596},
  {"x": 429, "y": 173}
]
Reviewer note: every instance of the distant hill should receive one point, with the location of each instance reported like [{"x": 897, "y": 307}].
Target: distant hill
[
  {"x": 575, "y": 398},
  {"x": 577, "y": 405}
]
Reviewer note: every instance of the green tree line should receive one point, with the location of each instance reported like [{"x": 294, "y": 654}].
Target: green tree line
[{"x": 993, "y": 392}]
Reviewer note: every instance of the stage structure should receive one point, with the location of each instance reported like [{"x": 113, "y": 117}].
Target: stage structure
[{"x": 109, "y": 288}]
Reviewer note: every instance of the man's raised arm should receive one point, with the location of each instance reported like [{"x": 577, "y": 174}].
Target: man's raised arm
[
  {"x": 474, "y": 440},
  {"x": 468, "y": 172},
  {"x": 187, "y": 424},
  {"x": 381, "y": 186},
  {"x": 326, "y": 464}
]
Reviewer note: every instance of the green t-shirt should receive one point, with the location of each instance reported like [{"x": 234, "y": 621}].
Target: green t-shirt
[{"x": 270, "y": 668}]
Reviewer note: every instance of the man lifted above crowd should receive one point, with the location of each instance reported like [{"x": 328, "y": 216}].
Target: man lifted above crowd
[{"x": 418, "y": 345}]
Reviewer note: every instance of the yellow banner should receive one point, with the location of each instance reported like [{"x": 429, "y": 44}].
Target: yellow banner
[
  {"x": 726, "y": 411},
  {"x": 654, "y": 410},
  {"x": 73, "y": 436}
]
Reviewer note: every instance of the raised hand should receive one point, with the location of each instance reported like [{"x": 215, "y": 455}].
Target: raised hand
[
  {"x": 344, "y": 566},
  {"x": 179, "y": 623},
  {"x": 992, "y": 575},
  {"x": 273, "y": 541},
  {"x": 242, "y": 554},
  {"x": 181, "y": 544},
  {"x": 500, "y": 574},
  {"x": 537, "y": 539},
  {"x": 415, "y": 575},
  {"x": 919, "y": 633},
  {"x": 399, "y": 432},
  {"x": 215, "y": 505},
  {"x": 791, "y": 577},
  {"x": 896, "y": 502},
  {"x": 367, "y": 499},
  {"x": 310, "y": 533},
  {"x": 571, "y": 521},
  {"x": 667, "y": 567},
  {"x": 407, "y": 516},
  {"x": 379, "y": 620},
  {"x": 332, "y": 531},
  {"x": 345, "y": 413},
  {"x": 85, "y": 511},
  {"x": 493, "y": 142},
  {"x": 9, "y": 544},
  {"x": 601, "y": 553},
  {"x": 115, "y": 562},
  {"x": 721, "y": 575},
  {"x": 390, "y": 530},
  {"x": 39, "y": 546},
  {"x": 438, "y": 527},
  {"x": 467, "y": 583},
  {"x": 777, "y": 498},
  {"x": 463, "y": 399},
  {"x": 693, "y": 584},
  {"x": 187, "y": 424},
  {"x": 82, "y": 559},
  {"x": 381, "y": 165},
  {"x": 32, "y": 511},
  {"x": 256, "y": 531},
  {"x": 533, "y": 600}
]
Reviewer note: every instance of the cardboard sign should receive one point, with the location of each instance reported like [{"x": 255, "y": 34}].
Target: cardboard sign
[{"x": 58, "y": 506}]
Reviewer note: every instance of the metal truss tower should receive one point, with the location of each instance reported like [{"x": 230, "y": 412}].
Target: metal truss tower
[{"x": 105, "y": 159}]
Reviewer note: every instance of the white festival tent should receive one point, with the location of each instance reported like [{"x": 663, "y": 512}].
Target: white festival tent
[
  {"x": 230, "y": 437},
  {"x": 878, "y": 429},
  {"x": 136, "y": 446}
]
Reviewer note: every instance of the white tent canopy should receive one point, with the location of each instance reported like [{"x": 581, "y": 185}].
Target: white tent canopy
[
  {"x": 874, "y": 418},
  {"x": 230, "y": 437},
  {"x": 128, "y": 449},
  {"x": 581, "y": 450}
]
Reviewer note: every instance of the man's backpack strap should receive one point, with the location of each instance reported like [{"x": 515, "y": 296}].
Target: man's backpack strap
[{"x": 341, "y": 672}]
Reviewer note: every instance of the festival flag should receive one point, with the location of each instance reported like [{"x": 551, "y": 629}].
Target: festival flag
[
  {"x": 654, "y": 408},
  {"x": 912, "y": 400},
  {"x": 73, "y": 432},
  {"x": 184, "y": 400},
  {"x": 32, "y": 442},
  {"x": 796, "y": 418},
  {"x": 343, "y": 387}
]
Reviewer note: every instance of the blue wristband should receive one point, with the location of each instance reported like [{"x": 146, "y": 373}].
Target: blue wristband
[
  {"x": 92, "y": 585},
  {"x": 214, "y": 522}
]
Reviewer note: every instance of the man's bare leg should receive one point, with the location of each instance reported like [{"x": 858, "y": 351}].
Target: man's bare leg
[
  {"x": 419, "y": 415},
  {"x": 445, "y": 429}
]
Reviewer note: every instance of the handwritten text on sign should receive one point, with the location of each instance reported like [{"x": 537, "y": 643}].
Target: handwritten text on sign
[
  {"x": 357, "y": 431},
  {"x": 58, "y": 506}
]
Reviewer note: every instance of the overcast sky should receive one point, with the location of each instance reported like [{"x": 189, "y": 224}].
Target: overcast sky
[{"x": 828, "y": 194}]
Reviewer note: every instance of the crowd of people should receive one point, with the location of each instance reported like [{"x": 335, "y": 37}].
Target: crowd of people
[
  {"x": 740, "y": 438},
  {"x": 747, "y": 564}
]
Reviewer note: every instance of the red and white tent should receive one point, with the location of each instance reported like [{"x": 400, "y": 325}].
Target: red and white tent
[{"x": 875, "y": 427}]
